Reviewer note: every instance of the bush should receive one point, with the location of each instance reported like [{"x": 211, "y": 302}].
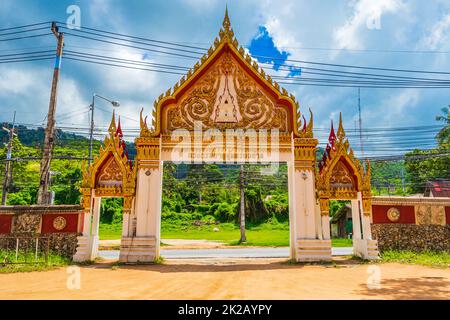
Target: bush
[
  {"x": 19, "y": 198},
  {"x": 225, "y": 212}
]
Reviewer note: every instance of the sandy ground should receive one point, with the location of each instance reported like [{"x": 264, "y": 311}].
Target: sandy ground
[
  {"x": 231, "y": 279},
  {"x": 172, "y": 244}
]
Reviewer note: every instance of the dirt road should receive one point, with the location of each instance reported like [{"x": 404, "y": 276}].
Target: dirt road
[{"x": 232, "y": 279}]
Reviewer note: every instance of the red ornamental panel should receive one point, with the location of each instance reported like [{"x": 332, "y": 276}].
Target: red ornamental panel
[
  {"x": 380, "y": 214},
  {"x": 56, "y": 223},
  {"x": 5, "y": 224}
]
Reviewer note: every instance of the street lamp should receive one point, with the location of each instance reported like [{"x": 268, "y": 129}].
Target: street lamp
[{"x": 92, "y": 106}]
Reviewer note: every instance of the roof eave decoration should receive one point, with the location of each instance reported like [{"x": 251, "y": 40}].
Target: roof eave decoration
[
  {"x": 341, "y": 150},
  {"x": 226, "y": 38},
  {"x": 114, "y": 146}
]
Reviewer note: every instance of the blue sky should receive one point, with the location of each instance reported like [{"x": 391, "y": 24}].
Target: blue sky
[{"x": 338, "y": 32}]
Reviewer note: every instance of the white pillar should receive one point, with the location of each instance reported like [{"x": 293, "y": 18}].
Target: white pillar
[
  {"x": 144, "y": 246},
  {"x": 95, "y": 227},
  {"x": 356, "y": 219},
  {"x": 319, "y": 230},
  {"x": 326, "y": 234},
  {"x": 305, "y": 203},
  {"x": 292, "y": 216}
]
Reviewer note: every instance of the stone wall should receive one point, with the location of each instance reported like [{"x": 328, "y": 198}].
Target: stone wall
[
  {"x": 412, "y": 237},
  {"x": 57, "y": 225}
]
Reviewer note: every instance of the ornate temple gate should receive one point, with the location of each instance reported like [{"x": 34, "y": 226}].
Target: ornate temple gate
[
  {"x": 342, "y": 177},
  {"x": 225, "y": 110}
]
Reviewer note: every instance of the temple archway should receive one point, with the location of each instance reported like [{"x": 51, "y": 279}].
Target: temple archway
[{"x": 111, "y": 175}]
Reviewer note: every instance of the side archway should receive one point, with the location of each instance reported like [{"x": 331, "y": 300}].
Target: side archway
[
  {"x": 341, "y": 176},
  {"x": 110, "y": 175}
]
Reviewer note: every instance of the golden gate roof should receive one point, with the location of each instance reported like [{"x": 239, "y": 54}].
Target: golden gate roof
[{"x": 225, "y": 89}]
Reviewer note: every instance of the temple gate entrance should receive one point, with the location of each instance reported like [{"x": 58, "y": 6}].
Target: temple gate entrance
[{"x": 225, "y": 110}]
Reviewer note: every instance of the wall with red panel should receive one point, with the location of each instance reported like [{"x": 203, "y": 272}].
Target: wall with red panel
[
  {"x": 71, "y": 223},
  {"x": 5, "y": 223},
  {"x": 379, "y": 213}
]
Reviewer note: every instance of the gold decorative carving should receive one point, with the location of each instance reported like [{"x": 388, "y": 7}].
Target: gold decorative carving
[
  {"x": 227, "y": 97},
  {"x": 426, "y": 214},
  {"x": 225, "y": 71},
  {"x": 393, "y": 214},
  {"x": 111, "y": 173},
  {"x": 342, "y": 175},
  {"x": 59, "y": 223}
]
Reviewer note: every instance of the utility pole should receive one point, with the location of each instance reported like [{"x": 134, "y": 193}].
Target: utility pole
[
  {"x": 242, "y": 209},
  {"x": 7, "y": 179},
  {"x": 360, "y": 122},
  {"x": 91, "y": 132},
  {"x": 43, "y": 195}
]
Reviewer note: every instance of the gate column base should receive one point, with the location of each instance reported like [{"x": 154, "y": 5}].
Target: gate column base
[
  {"x": 82, "y": 253},
  {"x": 313, "y": 250},
  {"x": 366, "y": 249},
  {"x": 138, "y": 250}
]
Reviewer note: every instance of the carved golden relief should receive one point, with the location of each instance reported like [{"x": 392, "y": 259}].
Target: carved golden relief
[
  {"x": 226, "y": 97},
  {"x": 111, "y": 174},
  {"x": 217, "y": 76},
  {"x": 341, "y": 177},
  {"x": 427, "y": 214}
]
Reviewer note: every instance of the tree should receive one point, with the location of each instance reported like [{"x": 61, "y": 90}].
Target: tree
[{"x": 425, "y": 165}]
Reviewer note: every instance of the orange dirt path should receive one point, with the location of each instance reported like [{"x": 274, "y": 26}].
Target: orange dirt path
[{"x": 232, "y": 279}]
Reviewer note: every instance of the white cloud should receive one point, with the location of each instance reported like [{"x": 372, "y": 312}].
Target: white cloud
[
  {"x": 366, "y": 14},
  {"x": 439, "y": 35}
]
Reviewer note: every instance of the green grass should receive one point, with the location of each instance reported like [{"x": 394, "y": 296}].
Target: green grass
[
  {"x": 266, "y": 234},
  {"x": 54, "y": 260},
  {"x": 110, "y": 231},
  {"x": 427, "y": 258}
]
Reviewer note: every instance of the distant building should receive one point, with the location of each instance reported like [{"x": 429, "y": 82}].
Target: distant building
[
  {"x": 341, "y": 223},
  {"x": 437, "y": 188}
]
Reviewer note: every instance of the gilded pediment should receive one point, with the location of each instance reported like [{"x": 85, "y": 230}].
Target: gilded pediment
[{"x": 225, "y": 89}]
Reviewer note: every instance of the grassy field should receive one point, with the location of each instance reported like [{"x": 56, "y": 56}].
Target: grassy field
[
  {"x": 26, "y": 263},
  {"x": 428, "y": 258},
  {"x": 261, "y": 235}
]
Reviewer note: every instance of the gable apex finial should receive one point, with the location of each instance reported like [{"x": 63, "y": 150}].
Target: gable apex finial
[{"x": 226, "y": 19}]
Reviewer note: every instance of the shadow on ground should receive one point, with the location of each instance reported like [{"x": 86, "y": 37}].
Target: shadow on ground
[
  {"x": 220, "y": 265},
  {"x": 410, "y": 289}
]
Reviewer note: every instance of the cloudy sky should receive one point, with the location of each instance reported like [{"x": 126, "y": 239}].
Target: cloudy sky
[{"x": 384, "y": 33}]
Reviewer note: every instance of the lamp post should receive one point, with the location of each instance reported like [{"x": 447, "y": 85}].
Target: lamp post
[{"x": 92, "y": 107}]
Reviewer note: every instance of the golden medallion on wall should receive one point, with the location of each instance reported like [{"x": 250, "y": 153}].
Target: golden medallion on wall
[
  {"x": 59, "y": 223},
  {"x": 393, "y": 214}
]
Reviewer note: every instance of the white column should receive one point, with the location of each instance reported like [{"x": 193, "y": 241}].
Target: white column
[
  {"x": 326, "y": 234},
  {"x": 356, "y": 220},
  {"x": 292, "y": 215},
  {"x": 144, "y": 246},
  {"x": 95, "y": 227},
  {"x": 305, "y": 203},
  {"x": 126, "y": 224},
  {"x": 319, "y": 230}
]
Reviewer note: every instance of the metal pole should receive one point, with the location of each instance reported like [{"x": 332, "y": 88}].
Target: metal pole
[
  {"x": 8, "y": 162},
  {"x": 91, "y": 134},
  {"x": 43, "y": 197}
]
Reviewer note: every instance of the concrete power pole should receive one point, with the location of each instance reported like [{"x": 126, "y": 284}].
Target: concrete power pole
[
  {"x": 242, "y": 208},
  {"x": 360, "y": 122},
  {"x": 7, "y": 180},
  {"x": 43, "y": 194}
]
